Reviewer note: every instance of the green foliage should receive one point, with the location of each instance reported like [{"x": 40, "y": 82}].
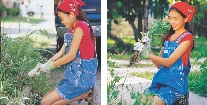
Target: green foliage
[
  {"x": 113, "y": 93},
  {"x": 18, "y": 58},
  {"x": 159, "y": 8},
  {"x": 3, "y": 8},
  {"x": 156, "y": 32},
  {"x": 198, "y": 80},
  {"x": 199, "y": 20},
  {"x": 12, "y": 11},
  {"x": 9, "y": 11},
  {"x": 138, "y": 98},
  {"x": 112, "y": 89}
]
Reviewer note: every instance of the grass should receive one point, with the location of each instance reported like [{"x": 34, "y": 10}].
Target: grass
[
  {"x": 147, "y": 74},
  {"x": 32, "y": 20},
  {"x": 138, "y": 65}
]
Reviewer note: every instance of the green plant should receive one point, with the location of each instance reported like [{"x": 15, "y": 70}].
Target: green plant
[
  {"x": 139, "y": 98},
  {"x": 156, "y": 32},
  {"x": 3, "y": 8},
  {"x": 18, "y": 57},
  {"x": 112, "y": 89},
  {"x": 12, "y": 11},
  {"x": 197, "y": 80}
]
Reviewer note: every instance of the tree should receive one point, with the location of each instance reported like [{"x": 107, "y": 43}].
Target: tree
[
  {"x": 131, "y": 9},
  {"x": 199, "y": 20},
  {"x": 146, "y": 11}
]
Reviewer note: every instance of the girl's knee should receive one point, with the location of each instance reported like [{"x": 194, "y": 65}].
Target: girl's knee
[
  {"x": 157, "y": 101},
  {"x": 45, "y": 102}
]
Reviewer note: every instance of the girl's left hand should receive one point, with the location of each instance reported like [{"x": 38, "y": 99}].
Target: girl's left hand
[
  {"x": 145, "y": 53},
  {"x": 48, "y": 66},
  {"x": 146, "y": 41}
]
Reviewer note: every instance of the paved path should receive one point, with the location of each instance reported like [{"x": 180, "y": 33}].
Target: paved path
[
  {"x": 18, "y": 29},
  {"x": 138, "y": 84}
]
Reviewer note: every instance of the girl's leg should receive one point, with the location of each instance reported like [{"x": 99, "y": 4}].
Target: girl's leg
[
  {"x": 65, "y": 102},
  {"x": 50, "y": 91},
  {"x": 146, "y": 99},
  {"x": 53, "y": 98},
  {"x": 157, "y": 101},
  {"x": 50, "y": 98}
]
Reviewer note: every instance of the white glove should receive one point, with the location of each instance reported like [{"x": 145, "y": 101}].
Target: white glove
[
  {"x": 146, "y": 40},
  {"x": 138, "y": 46},
  {"x": 36, "y": 71},
  {"x": 48, "y": 66}
]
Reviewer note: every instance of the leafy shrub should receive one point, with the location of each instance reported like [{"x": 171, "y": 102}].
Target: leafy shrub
[
  {"x": 18, "y": 57},
  {"x": 9, "y": 11},
  {"x": 112, "y": 89},
  {"x": 13, "y": 11},
  {"x": 198, "y": 80},
  {"x": 3, "y": 8},
  {"x": 156, "y": 32}
]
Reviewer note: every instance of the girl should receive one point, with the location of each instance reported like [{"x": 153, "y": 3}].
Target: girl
[
  {"x": 23, "y": 11},
  {"x": 170, "y": 83},
  {"x": 80, "y": 59}
]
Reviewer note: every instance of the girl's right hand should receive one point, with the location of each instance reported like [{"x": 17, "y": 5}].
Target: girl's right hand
[
  {"x": 138, "y": 46},
  {"x": 36, "y": 71}
]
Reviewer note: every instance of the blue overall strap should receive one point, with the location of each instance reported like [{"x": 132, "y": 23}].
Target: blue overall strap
[{"x": 181, "y": 36}]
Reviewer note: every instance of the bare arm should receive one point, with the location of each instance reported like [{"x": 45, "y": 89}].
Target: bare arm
[
  {"x": 160, "y": 55},
  {"x": 59, "y": 54},
  {"x": 73, "y": 48},
  {"x": 180, "y": 50}
]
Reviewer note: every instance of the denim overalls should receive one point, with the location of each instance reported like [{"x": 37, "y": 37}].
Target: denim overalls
[
  {"x": 80, "y": 74},
  {"x": 170, "y": 83}
]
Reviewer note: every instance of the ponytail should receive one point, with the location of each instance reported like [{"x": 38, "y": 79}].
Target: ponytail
[{"x": 82, "y": 16}]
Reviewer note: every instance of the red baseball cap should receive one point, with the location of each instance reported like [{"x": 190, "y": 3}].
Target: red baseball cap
[
  {"x": 70, "y": 6},
  {"x": 186, "y": 9}
]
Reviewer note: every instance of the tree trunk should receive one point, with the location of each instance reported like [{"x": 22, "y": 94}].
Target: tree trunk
[
  {"x": 119, "y": 41},
  {"x": 140, "y": 29},
  {"x": 135, "y": 30},
  {"x": 146, "y": 10}
]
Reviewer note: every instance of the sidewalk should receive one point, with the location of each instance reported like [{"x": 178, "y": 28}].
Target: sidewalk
[
  {"x": 19, "y": 29},
  {"x": 138, "y": 84}
]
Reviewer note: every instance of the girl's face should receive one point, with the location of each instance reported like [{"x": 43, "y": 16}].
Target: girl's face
[
  {"x": 176, "y": 20},
  {"x": 67, "y": 19}
]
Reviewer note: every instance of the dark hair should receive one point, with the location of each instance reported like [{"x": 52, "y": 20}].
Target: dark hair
[
  {"x": 81, "y": 16},
  {"x": 171, "y": 31}
]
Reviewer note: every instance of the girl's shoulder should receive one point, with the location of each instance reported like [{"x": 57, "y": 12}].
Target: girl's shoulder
[
  {"x": 188, "y": 36},
  {"x": 83, "y": 25}
]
